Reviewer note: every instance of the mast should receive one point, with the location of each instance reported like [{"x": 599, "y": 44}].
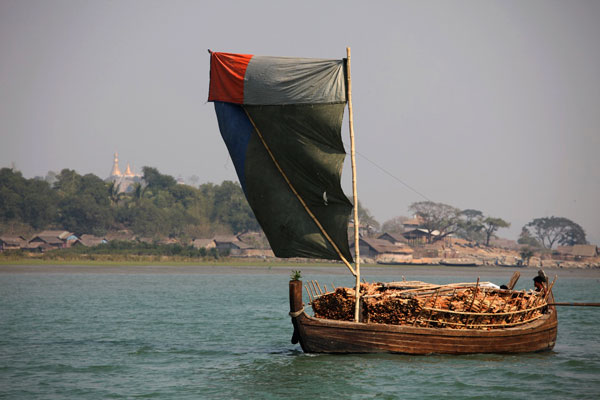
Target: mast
[{"x": 354, "y": 193}]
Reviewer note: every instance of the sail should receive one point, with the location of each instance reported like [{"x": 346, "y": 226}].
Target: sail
[{"x": 281, "y": 118}]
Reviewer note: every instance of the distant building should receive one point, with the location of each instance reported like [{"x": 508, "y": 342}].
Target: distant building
[
  {"x": 124, "y": 180},
  {"x": 413, "y": 223},
  {"x": 231, "y": 243},
  {"x": 12, "y": 242},
  {"x": 124, "y": 235},
  {"x": 395, "y": 238},
  {"x": 52, "y": 240},
  {"x": 373, "y": 248},
  {"x": 90, "y": 241},
  {"x": 234, "y": 246},
  {"x": 576, "y": 252},
  {"x": 420, "y": 236},
  {"x": 584, "y": 250}
]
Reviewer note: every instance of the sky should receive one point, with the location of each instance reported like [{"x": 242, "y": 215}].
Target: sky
[{"x": 487, "y": 105}]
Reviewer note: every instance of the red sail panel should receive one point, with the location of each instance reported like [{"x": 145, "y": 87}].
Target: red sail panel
[{"x": 227, "y": 73}]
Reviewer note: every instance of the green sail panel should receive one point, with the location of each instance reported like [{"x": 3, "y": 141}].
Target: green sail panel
[
  {"x": 287, "y": 80},
  {"x": 305, "y": 141},
  {"x": 296, "y": 105}
]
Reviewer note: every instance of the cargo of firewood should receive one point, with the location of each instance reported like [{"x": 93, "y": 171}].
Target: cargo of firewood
[
  {"x": 437, "y": 306},
  {"x": 337, "y": 305}
]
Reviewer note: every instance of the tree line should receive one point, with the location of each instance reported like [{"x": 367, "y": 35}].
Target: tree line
[
  {"x": 156, "y": 207},
  {"x": 160, "y": 207},
  {"x": 473, "y": 225}
]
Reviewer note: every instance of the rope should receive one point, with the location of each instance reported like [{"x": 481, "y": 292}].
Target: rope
[{"x": 296, "y": 314}]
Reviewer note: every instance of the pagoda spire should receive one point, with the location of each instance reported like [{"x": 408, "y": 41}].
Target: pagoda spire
[
  {"x": 128, "y": 171},
  {"x": 115, "y": 169}
]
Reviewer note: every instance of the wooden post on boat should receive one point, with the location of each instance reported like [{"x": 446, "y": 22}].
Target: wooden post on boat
[
  {"x": 296, "y": 306},
  {"x": 354, "y": 192},
  {"x": 296, "y": 296}
]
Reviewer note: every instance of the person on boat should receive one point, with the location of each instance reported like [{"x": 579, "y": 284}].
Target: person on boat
[{"x": 540, "y": 282}]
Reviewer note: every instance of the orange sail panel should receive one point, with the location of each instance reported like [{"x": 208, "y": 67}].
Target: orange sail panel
[{"x": 227, "y": 77}]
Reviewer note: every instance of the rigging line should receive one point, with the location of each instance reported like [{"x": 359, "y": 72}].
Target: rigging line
[{"x": 394, "y": 177}]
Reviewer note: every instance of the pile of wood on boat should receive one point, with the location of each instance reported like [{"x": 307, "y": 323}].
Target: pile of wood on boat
[{"x": 458, "y": 306}]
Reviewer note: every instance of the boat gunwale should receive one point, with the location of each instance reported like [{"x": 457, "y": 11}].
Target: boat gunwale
[{"x": 546, "y": 322}]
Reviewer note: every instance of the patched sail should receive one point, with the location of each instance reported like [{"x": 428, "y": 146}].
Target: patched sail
[{"x": 281, "y": 119}]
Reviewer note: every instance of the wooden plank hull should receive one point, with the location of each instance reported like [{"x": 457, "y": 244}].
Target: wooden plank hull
[{"x": 317, "y": 335}]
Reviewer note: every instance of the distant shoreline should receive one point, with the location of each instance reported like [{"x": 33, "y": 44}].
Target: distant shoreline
[{"x": 369, "y": 271}]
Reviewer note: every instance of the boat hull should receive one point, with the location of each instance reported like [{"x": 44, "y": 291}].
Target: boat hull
[
  {"x": 459, "y": 264},
  {"x": 317, "y": 335}
]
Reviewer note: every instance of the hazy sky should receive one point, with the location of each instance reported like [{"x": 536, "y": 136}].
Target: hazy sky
[{"x": 491, "y": 105}]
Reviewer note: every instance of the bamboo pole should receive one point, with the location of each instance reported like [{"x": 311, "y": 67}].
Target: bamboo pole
[
  {"x": 354, "y": 192},
  {"x": 310, "y": 291},
  {"x": 549, "y": 288},
  {"x": 310, "y": 299},
  {"x": 319, "y": 286},
  {"x": 314, "y": 289}
]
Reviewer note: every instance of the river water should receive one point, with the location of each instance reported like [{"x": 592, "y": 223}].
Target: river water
[{"x": 224, "y": 333}]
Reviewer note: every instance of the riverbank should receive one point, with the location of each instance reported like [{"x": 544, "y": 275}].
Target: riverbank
[
  {"x": 369, "y": 272},
  {"x": 120, "y": 262}
]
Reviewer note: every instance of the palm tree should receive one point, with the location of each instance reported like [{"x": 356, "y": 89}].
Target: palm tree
[
  {"x": 138, "y": 191},
  {"x": 114, "y": 193}
]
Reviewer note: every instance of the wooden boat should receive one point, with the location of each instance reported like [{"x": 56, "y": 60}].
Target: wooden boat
[
  {"x": 518, "y": 264},
  {"x": 460, "y": 262},
  {"x": 511, "y": 265},
  {"x": 281, "y": 120},
  {"x": 317, "y": 335},
  {"x": 407, "y": 263}
]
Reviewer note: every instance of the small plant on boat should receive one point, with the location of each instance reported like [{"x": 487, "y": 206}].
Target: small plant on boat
[{"x": 296, "y": 276}]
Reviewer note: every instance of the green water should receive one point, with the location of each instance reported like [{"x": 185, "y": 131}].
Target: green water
[{"x": 227, "y": 335}]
